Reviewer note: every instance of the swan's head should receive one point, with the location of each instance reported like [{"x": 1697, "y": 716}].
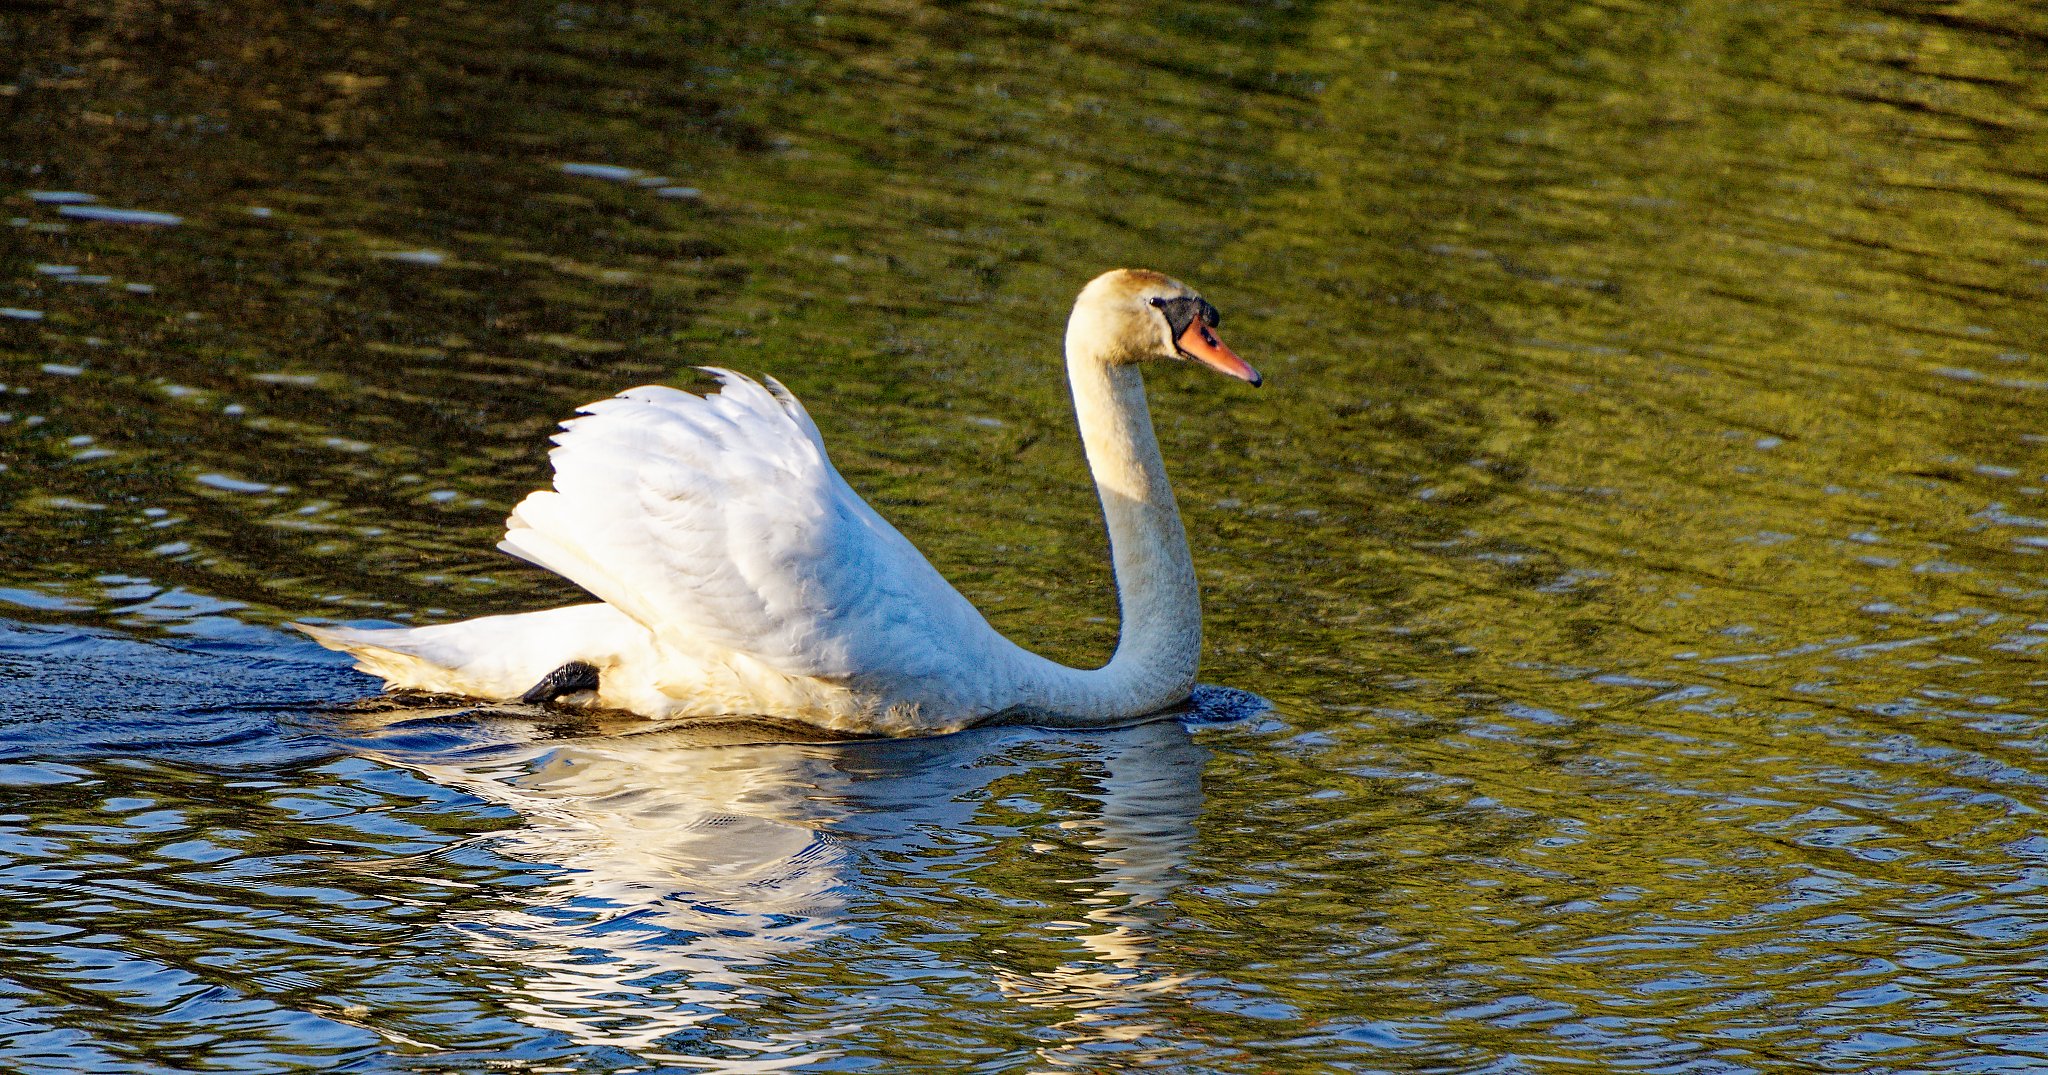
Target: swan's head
[{"x": 1136, "y": 315}]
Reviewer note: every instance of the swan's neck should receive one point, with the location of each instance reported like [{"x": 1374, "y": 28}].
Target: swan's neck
[{"x": 1160, "y": 639}]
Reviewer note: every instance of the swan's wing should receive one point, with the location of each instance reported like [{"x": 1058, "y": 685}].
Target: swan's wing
[{"x": 720, "y": 524}]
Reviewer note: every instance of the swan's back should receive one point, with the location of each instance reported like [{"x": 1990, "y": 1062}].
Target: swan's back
[{"x": 719, "y": 523}]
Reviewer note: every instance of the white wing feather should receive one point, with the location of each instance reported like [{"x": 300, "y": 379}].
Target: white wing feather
[{"x": 719, "y": 523}]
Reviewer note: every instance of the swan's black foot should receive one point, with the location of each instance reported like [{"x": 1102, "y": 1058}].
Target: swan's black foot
[{"x": 568, "y": 679}]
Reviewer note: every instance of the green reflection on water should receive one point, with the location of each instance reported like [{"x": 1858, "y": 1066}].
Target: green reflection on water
[{"x": 1640, "y": 530}]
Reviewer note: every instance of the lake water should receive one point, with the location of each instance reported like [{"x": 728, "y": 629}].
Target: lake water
[{"x": 1641, "y": 538}]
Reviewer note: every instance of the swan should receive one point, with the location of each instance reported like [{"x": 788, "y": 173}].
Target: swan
[{"x": 738, "y": 575}]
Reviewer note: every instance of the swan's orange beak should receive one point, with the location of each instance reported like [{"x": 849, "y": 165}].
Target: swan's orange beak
[{"x": 1199, "y": 342}]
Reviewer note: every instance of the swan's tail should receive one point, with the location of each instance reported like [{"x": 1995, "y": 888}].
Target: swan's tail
[
  {"x": 387, "y": 654},
  {"x": 494, "y": 657}
]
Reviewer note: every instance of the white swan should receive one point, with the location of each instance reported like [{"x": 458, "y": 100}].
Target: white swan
[{"x": 740, "y": 575}]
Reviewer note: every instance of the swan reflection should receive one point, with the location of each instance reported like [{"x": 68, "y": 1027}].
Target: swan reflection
[{"x": 692, "y": 874}]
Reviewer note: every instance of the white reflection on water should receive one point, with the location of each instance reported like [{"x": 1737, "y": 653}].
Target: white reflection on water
[
  {"x": 1151, "y": 795},
  {"x": 692, "y": 872}
]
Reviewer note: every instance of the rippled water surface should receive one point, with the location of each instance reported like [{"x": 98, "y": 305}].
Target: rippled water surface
[{"x": 1640, "y": 537}]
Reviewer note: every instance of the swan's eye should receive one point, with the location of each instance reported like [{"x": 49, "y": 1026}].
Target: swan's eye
[
  {"x": 1179, "y": 313},
  {"x": 1185, "y": 312}
]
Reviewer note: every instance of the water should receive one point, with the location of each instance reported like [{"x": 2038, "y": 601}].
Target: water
[{"x": 1639, "y": 537}]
